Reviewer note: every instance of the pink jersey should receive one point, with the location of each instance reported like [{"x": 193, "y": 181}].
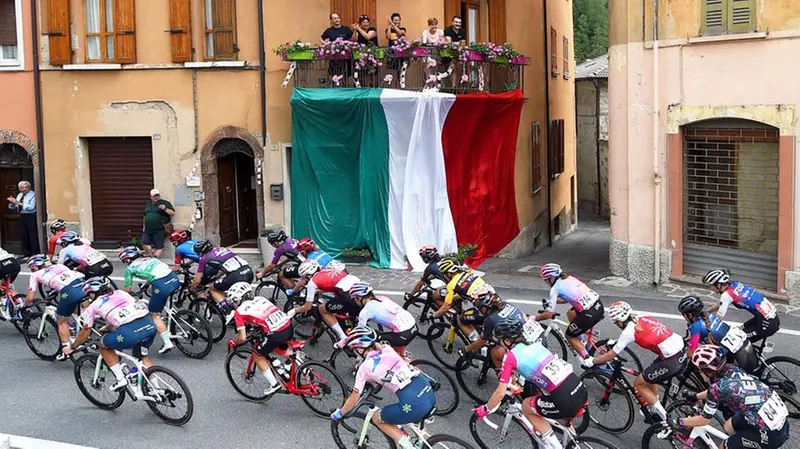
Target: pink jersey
[
  {"x": 382, "y": 364},
  {"x": 117, "y": 308},
  {"x": 55, "y": 277}
]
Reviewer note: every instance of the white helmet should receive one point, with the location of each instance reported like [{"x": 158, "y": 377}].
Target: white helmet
[
  {"x": 308, "y": 268},
  {"x": 336, "y": 266},
  {"x": 619, "y": 311},
  {"x": 239, "y": 292},
  {"x": 717, "y": 276}
]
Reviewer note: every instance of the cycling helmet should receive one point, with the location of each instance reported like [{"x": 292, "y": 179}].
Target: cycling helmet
[
  {"x": 429, "y": 254},
  {"x": 361, "y": 337},
  {"x": 336, "y": 266},
  {"x": 37, "y": 261},
  {"x": 708, "y": 358},
  {"x": 68, "y": 238},
  {"x": 717, "y": 276},
  {"x": 449, "y": 266},
  {"x": 360, "y": 290},
  {"x": 203, "y": 247},
  {"x": 485, "y": 299},
  {"x": 306, "y": 244},
  {"x": 690, "y": 304},
  {"x": 550, "y": 270},
  {"x": 309, "y": 267},
  {"x": 276, "y": 236},
  {"x": 178, "y": 236},
  {"x": 508, "y": 328},
  {"x": 96, "y": 285},
  {"x": 57, "y": 226},
  {"x": 129, "y": 253},
  {"x": 239, "y": 292},
  {"x": 619, "y": 311}
]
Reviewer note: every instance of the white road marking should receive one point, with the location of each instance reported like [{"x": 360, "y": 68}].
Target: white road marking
[
  {"x": 527, "y": 268},
  {"x": 15, "y": 442}
]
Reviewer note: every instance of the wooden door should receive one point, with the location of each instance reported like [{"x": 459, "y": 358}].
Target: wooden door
[
  {"x": 226, "y": 179},
  {"x": 246, "y": 199},
  {"x": 471, "y": 18},
  {"x": 9, "y": 219}
]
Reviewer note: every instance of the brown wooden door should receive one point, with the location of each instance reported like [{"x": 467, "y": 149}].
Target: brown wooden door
[
  {"x": 246, "y": 203},
  {"x": 226, "y": 179},
  {"x": 9, "y": 219}
]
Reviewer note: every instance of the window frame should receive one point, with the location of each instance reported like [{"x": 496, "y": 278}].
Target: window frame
[
  {"x": 103, "y": 34},
  {"x": 727, "y": 27},
  {"x": 207, "y": 32},
  {"x": 553, "y": 52},
  {"x": 19, "y": 62},
  {"x": 536, "y": 158},
  {"x": 565, "y": 43}
]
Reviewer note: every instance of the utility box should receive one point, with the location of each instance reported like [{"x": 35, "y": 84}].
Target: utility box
[{"x": 276, "y": 192}]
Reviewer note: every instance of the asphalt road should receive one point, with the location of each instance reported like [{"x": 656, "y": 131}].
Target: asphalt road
[{"x": 40, "y": 399}]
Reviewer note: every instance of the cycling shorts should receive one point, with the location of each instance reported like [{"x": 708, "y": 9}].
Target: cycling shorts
[
  {"x": 69, "y": 298},
  {"x": 272, "y": 341},
  {"x": 562, "y": 403},
  {"x": 585, "y": 320},
  {"x": 162, "y": 289},
  {"x": 399, "y": 339},
  {"x": 414, "y": 403},
  {"x": 749, "y": 437},
  {"x": 342, "y": 303},
  {"x": 9, "y": 269},
  {"x": 99, "y": 269},
  {"x": 472, "y": 317},
  {"x": 243, "y": 274},
  {"x": 745, "y": 358},
  {"x": 128, "y": 336},
  {"x": 662, "y": 370},
  {"x": 759, "y": 328},
  {"x": 290, "y": 271}
]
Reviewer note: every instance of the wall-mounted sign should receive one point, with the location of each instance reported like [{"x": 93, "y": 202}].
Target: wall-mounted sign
[{"x": 193, "y": 181}]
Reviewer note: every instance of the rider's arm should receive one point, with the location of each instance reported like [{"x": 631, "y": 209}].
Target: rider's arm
[
  {"x": 311, "y": 293},
  {"x": 300, "y": 284},
  {"x": 694, "y": 337},
  {"x": 127, "y": 281},
  {"x": 266, "y": 270},
  {"x": 448, "y": 300},
  {"x": 625, "y": 338},
  {"x": 725, "y": 300},
  {"x": 62, "y": 255},
  {"x": 550, "y": 310},
  {"x": 197, "y": 278},
  {"x": 32, "y": 284},
  {"x": 417, "y": 287},
  {"x": 477, "y": 344},
  {"x": 241, "y": 328},
  {"x": 713, "y": 398},
  {"x": 507, "y": 368}
]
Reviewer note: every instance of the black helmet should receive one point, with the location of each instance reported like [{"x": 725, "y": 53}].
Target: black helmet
[
  {"x": 486, "y": 299},
  {"x": 508, "y": 328},
  {"x": 203, "y": 247},
  {"x": 276, "y": 236},
  {"x": 690, "y": 304},
  {"x": 57, "y": 226},
  {"x": 429, "y": 254}
]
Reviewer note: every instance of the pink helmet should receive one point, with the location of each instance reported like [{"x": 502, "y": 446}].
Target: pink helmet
[
  {"x": 550, "y": 270},
  {"x": 708, "y": 358}
]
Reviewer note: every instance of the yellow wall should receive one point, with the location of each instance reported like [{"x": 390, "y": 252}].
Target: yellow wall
[{"x": 16, "y": 87}]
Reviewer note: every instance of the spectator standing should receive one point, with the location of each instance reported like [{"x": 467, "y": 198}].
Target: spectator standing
[
  {"x": 363, "y": 33},
  {"x": 433, "y": 35},
  {"x": 338, "y": 31},
  {"x": 25, "y": 205},
  {"x": 393, "y": 33},
  {"x": 455, "y": 32},
  {"x": 157, "y": 222}
]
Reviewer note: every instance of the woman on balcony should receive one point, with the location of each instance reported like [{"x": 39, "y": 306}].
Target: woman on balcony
[
  {"x": 433, "y": 35},
  {"x": 364, "y": 33}
]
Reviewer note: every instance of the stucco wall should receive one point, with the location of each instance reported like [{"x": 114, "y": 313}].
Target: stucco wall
[
  {"x": 592, "y": 134},
  {"x": 16, "y": 86}
]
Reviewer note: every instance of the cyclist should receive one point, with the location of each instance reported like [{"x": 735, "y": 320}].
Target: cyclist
[
  {"x": 219, "y": 268},
  {"x": 184, "y": 248},
  {"x": 765, "y": 320},
  {"x": 264, "y": 315},
  {"x": 756, "y": 415},
  {"x": 430, "y": 255},
  {"x": 67, "y": 283},
  {"x": 285, "y": 250},
  {"x": 9, "y": 268},
  {"x": 708, "y": 328},
  {"x": 400, "y": 326},
  {"x": 57, "y": 228},
  {"x": 160, "y": 277},
  {"x": 464, "y": 281},
  {"x": 78, "y": 251},
  {"x": 656, "y": 337},
  {"x": 129, "y": 324},
  {"x": 330, "y": 280},
  {"x": 383, "y": 366},
  {"x": 563, "y": 394},
  {"x": 496, "y": 311},
  {"x": 586, "y": 311},
  {"x": 308, "y": 249}
]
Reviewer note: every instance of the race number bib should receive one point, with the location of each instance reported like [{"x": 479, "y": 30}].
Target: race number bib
[
  {"x": 404, "y": 376},
  {"x": 557, "y": 370},
  {"x": 532, "y": 330},
  {"x": 403, "y": 321},
  {"x": 588, "y": 299},
  {"x": 66, "y": 277},
  {"x": 734, "y": 339},
  {"x": 767, "y": 309},
  {"x": 277, "y": 320},
  {"x": 94, "y": 257},
  {"x": 233, "y": 264},
  {"x": 774, "y": 412}
]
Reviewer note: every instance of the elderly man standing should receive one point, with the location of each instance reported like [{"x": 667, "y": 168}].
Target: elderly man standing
[
  {"x": 157, "y": 217},
  {"x": 25, "y": 205}
]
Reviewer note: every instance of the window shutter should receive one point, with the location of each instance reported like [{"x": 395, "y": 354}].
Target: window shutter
[
  {"x": 536, "y": 149},
  {"x": 8, "y": 23},
  {"x": 224, "y": 20},
  {"x": 451, "y": 8},
  {"x": 497, "y": 21},
  {"x": 345, "y": 10},
  {"x": 741, "y": 16},
  {"x": 57, "y": 25},
  {"x": 713, "y": 17},
  {"x": 561, "y": 145},
  {"x": 566, "y": 58},
  {"x": 554, "y": 51},
  {"x": 180, "y": 30},
  {"x": 368, "y": 7},
  {"x": 125, "y": 31}
]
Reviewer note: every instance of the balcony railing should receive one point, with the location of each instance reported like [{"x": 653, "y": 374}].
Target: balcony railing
[{"x": 412, "y": 72}]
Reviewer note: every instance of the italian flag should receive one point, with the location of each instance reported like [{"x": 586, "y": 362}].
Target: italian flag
[{"x": 392, "y": 170}]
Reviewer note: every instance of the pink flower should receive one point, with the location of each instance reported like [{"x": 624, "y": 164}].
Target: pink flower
[
  {"x": 336, "y": 79},
  {"x": 388, "y": 78},
  {"x": 464, "y": 78}
]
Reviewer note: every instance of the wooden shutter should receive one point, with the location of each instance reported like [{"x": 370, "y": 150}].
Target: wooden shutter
[
  {"x": 368, "y": 7},
  {"x": 741, "y": 16},
  {"x": 536, "y": 156},
  {"x": 345, "y": 9},
  {"x": 224, "y": 23},
  {"x": 497, "y": 21},
  {"x": 554, "y": 51},
  {"x": 566, "y": 58},
  {"x": 56, "y": 15},
  {"x": 451, "y": 8},
  {"x": 180, "y": 30},
  {"x": 561, "y": 145},
  {"x": 8, "y": 23},
  {"x": 714, "y": 17},
  {"x": 125, "y": 31}
]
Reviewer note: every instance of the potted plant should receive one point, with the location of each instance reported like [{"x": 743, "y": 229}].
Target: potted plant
[
  {"x": 418, "y": 49},
  {"x": 504, "y": 54},
  {"x": 401, "y": 48},
  {"x": 368, "y": 58},
  {"x": 450, "y": 50},
  {"x": 264, "y": 246},
  {"x": 465, "y": 251},
  {"x": 295, "y": 51},
  {"x": 338, "y": 49},
  {"x": 477, "y": 51},
  {"x": 356, "y": 255}
]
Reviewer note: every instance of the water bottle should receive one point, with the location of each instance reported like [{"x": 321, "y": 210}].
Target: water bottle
[
  {"x": 125, "y": 370},
  {"x": 278, "y": 367},
  {"x": 287, "y": 366},
  {"x": 484, "y": 351}
]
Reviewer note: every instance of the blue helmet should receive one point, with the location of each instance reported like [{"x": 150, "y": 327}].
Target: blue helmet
[
  {"x": 130, "y": 252},
  {"x": 96, "y": 285},
  {"x": 361, "y": 337},
  {"x": 37, "y": 261},
  {"x": 68, "y": 238}
]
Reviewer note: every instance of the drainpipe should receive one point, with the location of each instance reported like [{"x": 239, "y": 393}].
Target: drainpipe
[
  {"x": 37, "y": 101},
  {"x": 597, "y": 144},
  {"x": 547, "y": 75},
  {"x": 262, "y": 72},
  {"x": 657, "y": 181}
]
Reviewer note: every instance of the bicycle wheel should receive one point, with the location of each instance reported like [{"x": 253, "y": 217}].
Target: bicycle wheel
[
  {"x": 447, "y": 442},
  {"x": 555, "y": 343},
  {"x": 477, "y": 377},
  {"x": 614, "y": 419},
  {"x": 272, "y": 290},
  {"x": 209, "y": 311},
  {"x": 514, "y": 437},
  {"x": 650, "y": 439},
  {"x": 347, "y": 432},
  {"x": 345, "y": 363},
  {"x": 586, "y": 442},
  {"x": 446, "y": 353},
  {"x": 45, "y": 344},
  {"x": 419, "y": 308},
  {"x": 447, "y": 396},
  {"x": 632, "y": 358},
  {"x": 302, "y": 323},
  {"x": 328, "y": 390},
  {"x": 245, "y": 377},
  {"x": 168, "y": 390},
  {"x": 685, "y": 409},
  {"x": 782, "y": 374},
  {"x": 191, "y": 333},
  {"x": 792, "y": 405},
  {"x": 97, "y": 391}
]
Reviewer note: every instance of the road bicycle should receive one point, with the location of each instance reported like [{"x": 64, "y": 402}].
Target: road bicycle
[
  {"x": 160, "y": 388},
  {"x": 313, "y": 328},
  {"x": 316, "y": 383},
  {"x": 272, "y": 289},
  {"x": 9, "y": 311},
  {"x": 356, "y": 429},
  {"x": 41, "y": 331},
  {"x": 781, "y": 373},
  {"x": 420, "y": 306}
]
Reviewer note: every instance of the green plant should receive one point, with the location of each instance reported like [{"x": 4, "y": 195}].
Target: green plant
[
  {"x": 465, "y": 250},
  {"x": 291, "y": 47},
  {"x": 356, "y": 252}
]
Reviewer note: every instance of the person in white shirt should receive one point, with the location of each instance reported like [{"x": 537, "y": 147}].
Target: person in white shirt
[{"x": 25, "y": 205}]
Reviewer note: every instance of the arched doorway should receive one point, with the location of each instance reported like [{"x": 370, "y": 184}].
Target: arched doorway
[
  {"x": 15, "y": 165},
  {"x": 236, "y": 183},
  {"x": 731, "y": 201}
]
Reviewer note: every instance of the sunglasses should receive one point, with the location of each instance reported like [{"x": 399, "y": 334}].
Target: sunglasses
[{"x": 363, "y": 18}]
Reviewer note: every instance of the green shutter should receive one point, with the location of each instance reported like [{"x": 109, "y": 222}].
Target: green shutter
[
  {"x": 714, "y": 17},
  {"x": 741, "y": 16}
]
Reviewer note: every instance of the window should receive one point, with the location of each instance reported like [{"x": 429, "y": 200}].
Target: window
[
  {"x": 566, "y": 58},
  {"x": 554, "y": 51},
  {"x": 11, "y": 33},
  {"x": 110, "y": 31},
  {"x": 555, "y": 148},
  {"x": 471, "y": 14},
  {"x": 536, "y": 157},
  {"x": 180, "y": 30},
  {"x": 221, "y": 30},
  {"x": 497, "y": 22},
  {"x": 55, "y": 25},
  {"x": 728, "y": 16}
]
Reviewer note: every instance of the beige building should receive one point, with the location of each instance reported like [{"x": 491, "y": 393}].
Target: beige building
[
  {"x": 591, "y": 110},
  {"x": 702, "y": 140}
]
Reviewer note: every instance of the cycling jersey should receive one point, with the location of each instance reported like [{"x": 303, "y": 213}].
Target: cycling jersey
[
  {"x": 743, "y": 395},
  {"x": 574, "y": 292},
  {"x": 432, "y": 272},
  {"x": 720, "y": 334},
  {"x": 509, "y": 311},
  {"x": 186, "y": 251},
  {"x": 53, "y": 241},
  {"x": 650, "y": 334},
  {"x": 322, "y": 258},
  {"x": 382, "y": 364},
  {"x": 742, "y": 296},
  {"x": 536, "y": 364},
  {"x": 54, "y": 277},
  {"x": 117, "y": 308},
  {"x": 146, "y": 268},
  {"x": 386, "y": 313},
  {"x": 262, "y": 313},
  {"x": 83, "y": 255},
  {"x": 330, "y": 281},
  {"x": 465, "y": 284},
  {"x": 288, "y": 249},
  {"x": 220, "y": 259}
]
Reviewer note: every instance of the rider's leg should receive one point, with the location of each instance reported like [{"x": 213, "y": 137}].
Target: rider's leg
[
  {"x": 649, "y": 394},
  {"x": 286, "y": 282},
  {"x": 331, "y": 321},
  {"x": 63, "y": 330},
  {"x": 573, "y": 337},
  {"x": 162, "y": 330},
  {"x": 540, "y": 424},
  {"x": 266, "y": 369},
  {"x": 216, "y": 294},
  {"x": 392, "y": 431}
]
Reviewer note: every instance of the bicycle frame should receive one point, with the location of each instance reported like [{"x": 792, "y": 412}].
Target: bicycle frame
[
  {"x": 288, "y": 384},
  {"x": 514, "y": 410},
  {"x": 135, "y": 390},
  {"x": 50, "y": 311},
  {"x": 419, "y": 431}
]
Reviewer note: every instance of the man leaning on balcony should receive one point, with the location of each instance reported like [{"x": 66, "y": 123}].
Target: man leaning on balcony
[{"x": 342, "y": 68}]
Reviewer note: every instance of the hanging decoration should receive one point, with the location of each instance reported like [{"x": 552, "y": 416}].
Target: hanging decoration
[{"x": 289, "y": 74}]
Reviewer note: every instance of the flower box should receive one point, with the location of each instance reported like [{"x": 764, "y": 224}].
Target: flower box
[
  {"x": 419, "y": 51},
  {"x": 302, "y": 55},
  {"x": 501, "y": 60},
  {"x": 518, "y": 60},
  {"x": 398, "y": 54},
  {"x": 448, "y": 53},
  {"x": 473, "y": 55},
  {"x": 378, "y": 52},
  {"x": 336, "y": 57}
]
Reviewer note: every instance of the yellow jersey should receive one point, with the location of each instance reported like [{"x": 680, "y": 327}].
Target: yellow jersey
[{"x": 465, "y": 284}]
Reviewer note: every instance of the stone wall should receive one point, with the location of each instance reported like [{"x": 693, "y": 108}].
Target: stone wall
[{"x": 592, "y": 130}]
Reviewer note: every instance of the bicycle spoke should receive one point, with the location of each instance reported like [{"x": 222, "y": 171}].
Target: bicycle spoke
[{"x": 173, "y": 401}]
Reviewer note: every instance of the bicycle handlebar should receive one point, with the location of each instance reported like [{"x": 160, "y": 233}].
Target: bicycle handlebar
[
  {"x": 489, "y": 423},
  {"x": 555, "y": 314},
  {"x": 371, "y": 398}
]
